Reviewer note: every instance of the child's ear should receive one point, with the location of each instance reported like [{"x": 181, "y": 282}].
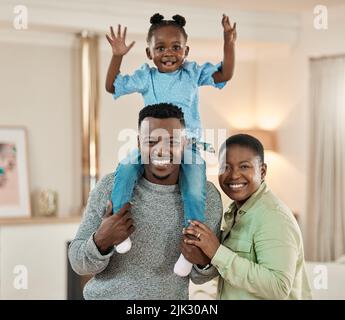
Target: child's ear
[
  {"x": 148, "y": 53},
  {"x": 187, "y": 51}
]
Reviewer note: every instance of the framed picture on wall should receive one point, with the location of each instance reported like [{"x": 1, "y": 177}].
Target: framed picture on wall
[{"x": 14, "y": 184}]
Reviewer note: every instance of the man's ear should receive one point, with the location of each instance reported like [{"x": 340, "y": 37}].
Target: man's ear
[
  {"x": 187, "y": 51},
  {"x": 263, "y": 171},
  {"x": 148, "y": 53},
  {"x": 184, "y": 141},
  {"x": 138, "y": 139}
]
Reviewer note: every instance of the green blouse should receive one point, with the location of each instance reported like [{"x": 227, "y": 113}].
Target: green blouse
[{"x": 261, "y": 255}]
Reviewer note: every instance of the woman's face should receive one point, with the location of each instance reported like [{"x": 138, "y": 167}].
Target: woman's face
[
  {"x": 167, "y": 48},
  {"x": 241, "y": 174}
]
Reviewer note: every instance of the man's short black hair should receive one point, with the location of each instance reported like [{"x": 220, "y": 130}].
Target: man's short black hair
[
  {"x": 161, "y": 111},
  {"x": 244, "y": 140}
]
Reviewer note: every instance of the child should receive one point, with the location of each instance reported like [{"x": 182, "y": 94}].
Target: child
[{"x": 175, "y": 81}]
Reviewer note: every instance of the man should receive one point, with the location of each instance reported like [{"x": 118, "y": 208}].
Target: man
[
  {"x": 154, "y": 222},
  {"x": 261, "y": 253}
]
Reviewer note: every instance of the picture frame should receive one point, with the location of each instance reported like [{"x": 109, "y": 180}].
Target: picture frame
[{"x": 14, "y": 180}]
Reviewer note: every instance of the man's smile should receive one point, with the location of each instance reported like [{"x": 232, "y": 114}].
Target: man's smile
[{"x": 161, "y": 162}]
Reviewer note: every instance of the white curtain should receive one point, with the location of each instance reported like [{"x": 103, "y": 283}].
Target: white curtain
[{"x": 326, "y": 203}]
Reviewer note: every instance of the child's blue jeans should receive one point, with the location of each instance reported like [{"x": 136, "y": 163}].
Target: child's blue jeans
[{"x": 192, "y": 182}]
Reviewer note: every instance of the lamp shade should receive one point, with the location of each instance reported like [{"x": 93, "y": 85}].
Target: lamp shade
[{"x": 266, "y": 137}]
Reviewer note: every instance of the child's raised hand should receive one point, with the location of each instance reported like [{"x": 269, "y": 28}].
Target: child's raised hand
[
  {"x": 230, "y": 33},
  {"x": 118, "y": 42}
]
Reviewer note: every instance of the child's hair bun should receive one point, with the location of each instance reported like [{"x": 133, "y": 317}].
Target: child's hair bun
[
  {"x": 181, "y": 21},
  {"x": 156, "y": 18}
]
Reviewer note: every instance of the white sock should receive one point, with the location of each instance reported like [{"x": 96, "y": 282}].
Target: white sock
[
  {"x": 124, "y": 246},
  {"x": 183, "y": 267}
]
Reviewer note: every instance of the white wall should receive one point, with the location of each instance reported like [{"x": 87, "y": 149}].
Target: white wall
[
  {"x": 33, "y": 260},
  {"x": 39, "y": 91},
  {"x": 281, "y": 105},
  {"x": 282, "y": 92}
]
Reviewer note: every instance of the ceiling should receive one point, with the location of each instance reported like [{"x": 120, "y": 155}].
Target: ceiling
[{"x": 288, "y": 6}]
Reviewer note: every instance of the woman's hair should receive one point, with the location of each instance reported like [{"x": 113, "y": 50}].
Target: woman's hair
[
  {"x": 244, "y": 140},
  {"x": 157, "y": 21}
]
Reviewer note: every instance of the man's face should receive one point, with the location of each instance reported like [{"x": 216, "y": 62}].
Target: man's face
[
  {"x": 242, "y": 174},
  {"x": 161, "y": 144},
  {"x": 167, "y": 48}
]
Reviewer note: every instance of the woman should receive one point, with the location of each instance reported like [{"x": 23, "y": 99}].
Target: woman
[{"x": 261, "y": 251}]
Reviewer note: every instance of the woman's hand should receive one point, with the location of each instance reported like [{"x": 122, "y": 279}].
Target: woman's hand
[
  {"x": 118, "y": 43},
  {"x": 194, "y": 254},
  {"x": 206, "y": 240}
]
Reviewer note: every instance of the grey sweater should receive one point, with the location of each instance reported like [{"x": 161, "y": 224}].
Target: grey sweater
[{"x": 146, "y": 271}]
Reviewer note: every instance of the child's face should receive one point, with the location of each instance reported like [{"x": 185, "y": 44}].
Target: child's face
[{"x": 167, "y": 48}]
